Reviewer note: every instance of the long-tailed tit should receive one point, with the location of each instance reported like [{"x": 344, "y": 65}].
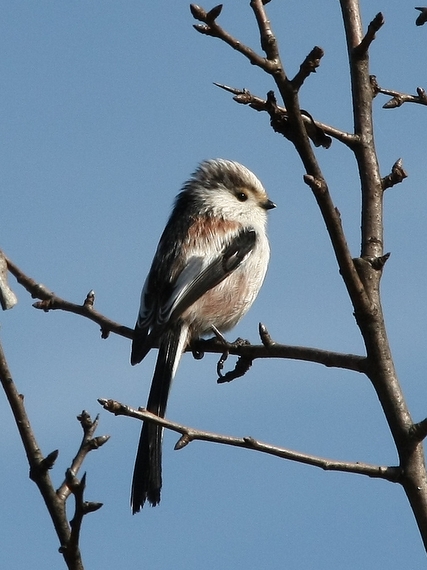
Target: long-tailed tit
[{"x": 208, "y": 268}]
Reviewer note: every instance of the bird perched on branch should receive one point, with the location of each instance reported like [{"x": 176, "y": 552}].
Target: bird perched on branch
[{"x": 208, "y": 268}]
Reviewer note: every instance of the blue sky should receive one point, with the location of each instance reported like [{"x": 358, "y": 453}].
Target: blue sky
[{"x": 105, "y": 109}]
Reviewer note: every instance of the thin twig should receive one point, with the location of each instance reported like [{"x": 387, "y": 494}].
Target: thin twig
[
  {"x": 211, "y": 28},
  {"x": 399, "y": 98},
  {"x": 50, "y": 301},
  {"x": 82, "y": 508},
  {"x": 244, "y": 97},
  {"x": 190, "y": 434},
  {"x": 88, "y": 444},
  {"x": 267, "y": 38},
  {"x": 39, "y": 467}
]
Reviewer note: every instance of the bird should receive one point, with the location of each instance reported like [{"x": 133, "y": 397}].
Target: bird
[
  {"x": 208, "y": 268},
  {"x": 422, "y": 18}
]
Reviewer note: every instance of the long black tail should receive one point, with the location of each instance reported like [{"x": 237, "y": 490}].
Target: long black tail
[{"x": 147, "y": 474}]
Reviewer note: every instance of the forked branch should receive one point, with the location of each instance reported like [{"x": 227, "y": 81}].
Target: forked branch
[
  {"x": 397, "y": 97},
  {"x": 362, "y": 276},
  {"x": 40, "y": 466}
]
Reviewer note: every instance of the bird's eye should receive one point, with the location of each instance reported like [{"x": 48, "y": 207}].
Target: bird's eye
[{"x": 242, "y": 196}]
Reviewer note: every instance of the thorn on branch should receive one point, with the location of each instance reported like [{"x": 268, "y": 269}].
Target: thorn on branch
[
  {"x": 397, "y": 175},
  {"x": 373, "y": 28}
]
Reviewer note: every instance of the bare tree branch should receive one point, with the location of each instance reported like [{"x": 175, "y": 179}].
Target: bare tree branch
[
  {"x": 244, "y": 97},
  {"x": 38, "y": 465},
  {"x": 211, "y": 28},
  {"x": 362, "y": 275},
  {"x": 244, "y": 350},
  {"x": 82, "y": 508},
  {"x": 298, "y": 135},
  {"x": 381, "y": 369},
  {"x": 190, "y": 434},
  {"x": 50, "y": 302},
  {"x": 88, "y": 444},
  {"x": 39, "y": 472},
  {"x": 272, "y": 349},
  {"x": 398, "y": 98}
]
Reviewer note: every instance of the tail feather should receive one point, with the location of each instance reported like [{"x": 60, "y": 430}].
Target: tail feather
[{"x": 147, "y": 475}]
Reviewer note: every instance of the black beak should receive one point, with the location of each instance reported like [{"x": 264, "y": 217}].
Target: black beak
[{"x": 268, "y": 205}]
